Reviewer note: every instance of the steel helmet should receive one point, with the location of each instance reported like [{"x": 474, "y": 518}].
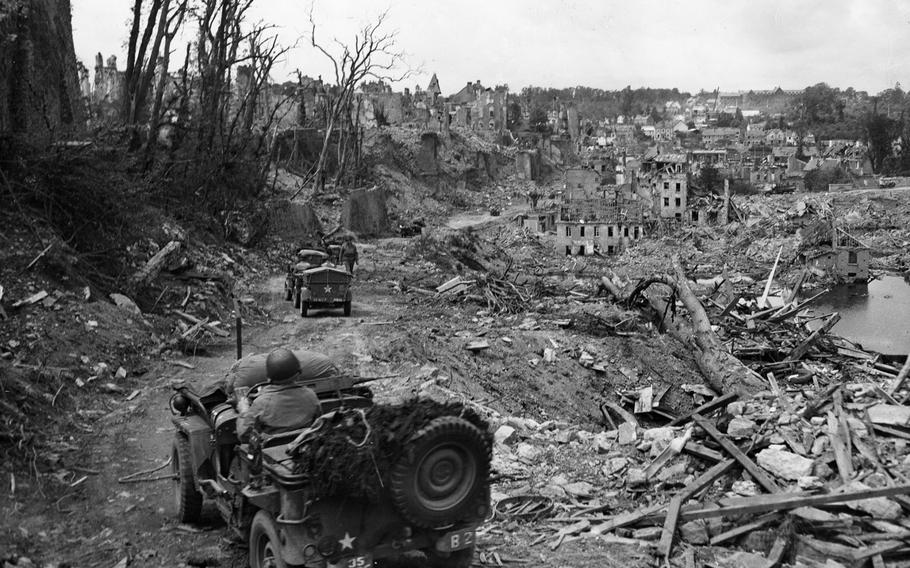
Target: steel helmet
[{"x": 282, "y": 366}]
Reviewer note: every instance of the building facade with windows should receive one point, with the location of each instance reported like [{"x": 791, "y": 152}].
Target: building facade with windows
[{"x": 598, "y": 226}]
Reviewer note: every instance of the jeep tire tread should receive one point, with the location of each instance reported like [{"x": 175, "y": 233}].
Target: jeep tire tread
[
  {"x": 265, "y": 547},
  {"x": 188, "y": 498},
  {"x": 443, "y": 477}
]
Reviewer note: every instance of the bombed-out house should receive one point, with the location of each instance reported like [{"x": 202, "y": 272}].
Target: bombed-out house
[
  {"x": 844, "y": 259},
  {"x": 663, "y": 180},
  {"x": 598, "y": 225}
]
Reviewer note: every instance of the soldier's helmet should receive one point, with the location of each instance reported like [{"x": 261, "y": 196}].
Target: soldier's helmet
[{"x": 282, "y": 366}]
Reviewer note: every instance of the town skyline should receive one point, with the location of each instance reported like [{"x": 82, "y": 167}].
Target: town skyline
[{"x": 702, "y": 45}]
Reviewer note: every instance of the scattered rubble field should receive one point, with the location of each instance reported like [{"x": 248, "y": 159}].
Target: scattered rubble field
[{"x": 611, "y": 446}]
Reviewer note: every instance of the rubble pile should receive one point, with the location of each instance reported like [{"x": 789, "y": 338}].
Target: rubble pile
[{"x": 794, "y": 474}]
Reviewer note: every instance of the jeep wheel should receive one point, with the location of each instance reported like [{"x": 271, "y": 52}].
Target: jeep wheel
[
  {"x": 458, "y": 559},
  {"x": 347, "y": 308},
  {"x": 443, "y": 478},
  {"x": 187, "y": 498},
  {"x": 265, "y": 548}
]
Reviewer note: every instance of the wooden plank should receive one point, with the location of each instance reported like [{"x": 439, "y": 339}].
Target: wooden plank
[
  {"x": 779, "y": 549},
  {"x": 763, "y": 301},
  {"x": 707, "y": 407},
  {"x": 872, "y": 551},
  {"x": 878, "y": 561},
  {"x": 193, "y": 319},
  {"x": 754, "y": 470},
  {"x": 673, "y": 449},
  {"x": 794, "y": 293},
  {"x": 743, "y": 529},
  {"x": 901, "y": 377},
  {"x": 448, "y": 284},
  {"x": 787, "y": 501},
  {"x": 839, "y": 433},
  {"x": 699, "y": 451},
  {"x": 888, "y": 430},
  {"x": 800, "y": 350},
  {"x": 626, "y": 519},
  {"x": 665, "y": 546},
  {"x": 796, "y": 309}
]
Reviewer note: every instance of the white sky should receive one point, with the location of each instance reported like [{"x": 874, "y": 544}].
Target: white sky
[{"x": 688, "y": 44}]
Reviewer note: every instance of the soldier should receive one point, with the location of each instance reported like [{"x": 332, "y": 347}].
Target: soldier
[
  {"x": 349, "y": 253},
  {"x": 281, "y": 405}
]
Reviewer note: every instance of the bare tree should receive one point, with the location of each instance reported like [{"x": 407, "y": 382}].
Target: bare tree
[
  {"x": 372, "y": 54},
  {"x": 152, "y": 24},
  {"x": 232, "y": 112},
  {"x": 171, "y": 27}
]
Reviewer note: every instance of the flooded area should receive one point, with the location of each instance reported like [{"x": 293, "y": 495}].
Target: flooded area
[{"x": 875, "y": 315}]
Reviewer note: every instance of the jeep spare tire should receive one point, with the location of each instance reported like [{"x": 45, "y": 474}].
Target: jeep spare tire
[{"x": 442, "y": 478}]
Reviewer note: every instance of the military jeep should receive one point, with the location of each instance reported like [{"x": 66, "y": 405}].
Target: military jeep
[
  {"x": 427, "y": 498},
  {"x": 307, "y": 258},
  {"x": 323, "y": 287}
]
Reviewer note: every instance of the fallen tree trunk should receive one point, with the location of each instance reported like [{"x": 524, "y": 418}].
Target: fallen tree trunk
[
  {"x": 151, "y": 269},
  {"x": 721, "y": 370}
]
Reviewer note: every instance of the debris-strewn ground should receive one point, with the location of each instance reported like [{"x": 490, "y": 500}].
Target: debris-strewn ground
[{"x": 579, "y": 388}]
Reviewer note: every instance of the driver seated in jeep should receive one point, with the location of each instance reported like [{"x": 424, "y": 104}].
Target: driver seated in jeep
[{"x": 281, "y": 405}]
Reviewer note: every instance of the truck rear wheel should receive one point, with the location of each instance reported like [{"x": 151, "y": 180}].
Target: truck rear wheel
[
  {"x": 188, "y": 499},
  {"x": 265, "y": 548},
  {"x": 443, "y": 478}
]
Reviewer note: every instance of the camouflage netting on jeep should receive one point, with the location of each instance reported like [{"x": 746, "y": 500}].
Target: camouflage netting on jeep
[{"x": 353, "y": 452}]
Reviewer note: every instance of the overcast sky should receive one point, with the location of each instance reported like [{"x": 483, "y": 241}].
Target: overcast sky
[{"x": 691, "y": 44}]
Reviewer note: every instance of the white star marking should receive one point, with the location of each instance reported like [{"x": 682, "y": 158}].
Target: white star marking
[
  {"x": 328, "y": 289},
  {"x": 347, "y": 542}
]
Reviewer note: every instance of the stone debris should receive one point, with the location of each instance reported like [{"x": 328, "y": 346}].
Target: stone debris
[{"x": 784, "y": 464}]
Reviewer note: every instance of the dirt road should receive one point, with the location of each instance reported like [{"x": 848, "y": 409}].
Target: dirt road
[{"x": 99, "y": 521}]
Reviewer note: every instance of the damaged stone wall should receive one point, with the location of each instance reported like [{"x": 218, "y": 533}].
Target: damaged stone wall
[
  {"x": 428, "y": 154},
  {"x": 293, "y": 220},
  {"x": 40, "y": 93},
  {"x": 365, "y": 212},
  {"x": 527, "y": 165}
]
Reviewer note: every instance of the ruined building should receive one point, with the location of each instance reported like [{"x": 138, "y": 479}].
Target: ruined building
[
  {"x": 106, "y": 89},
  {"x": 478, "y": 107},
  {"x": 605, "y": 226},
  {"x": 662, "y": 180}
]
